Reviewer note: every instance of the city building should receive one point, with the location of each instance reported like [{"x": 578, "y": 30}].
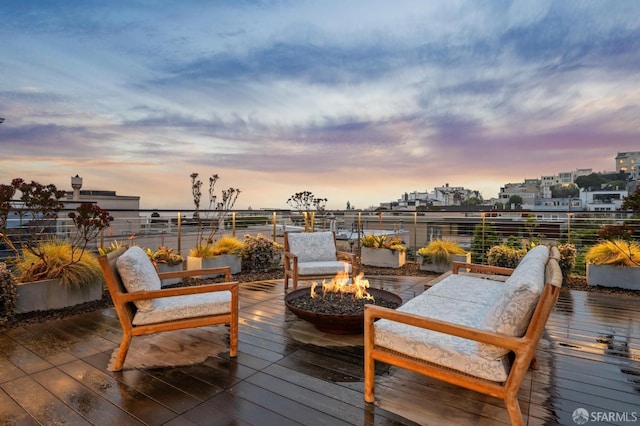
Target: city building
[{"x": 627, "y": 161}]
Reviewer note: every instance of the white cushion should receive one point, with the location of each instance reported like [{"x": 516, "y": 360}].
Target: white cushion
[
  {"x": 188, "y": 306},
  {"x": 312, "y": 246},
  {"x": 514, "y": 306},
  {"x": 467, "y": 288},
  {"x": 323, "y": 268},
  {"x": 138, "y": 274},
  {"x": 438, "y": 348}
]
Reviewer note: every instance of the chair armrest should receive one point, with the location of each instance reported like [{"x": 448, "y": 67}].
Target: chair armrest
[
  {"x": 226, "y": 270},
  {"x": 474, "y": 267},
  {"x": 289, "y": 256},
  {"x": 373, "y": 312},
  {"x": 178, "y": 291}
]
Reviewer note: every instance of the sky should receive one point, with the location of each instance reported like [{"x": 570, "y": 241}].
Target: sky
[{"x": 357, "y": 101}]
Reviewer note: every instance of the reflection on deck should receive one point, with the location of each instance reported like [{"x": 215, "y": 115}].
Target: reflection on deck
[{"x": 287, "y": 372}]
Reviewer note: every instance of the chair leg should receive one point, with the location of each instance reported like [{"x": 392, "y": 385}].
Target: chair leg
[
  {"x": 122, "y": 352},
  {"x": 513, "y": 409}
]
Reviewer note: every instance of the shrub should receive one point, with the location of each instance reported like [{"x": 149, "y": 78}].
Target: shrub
[
  {"x": 615, "y": 232},
  {"x": 484, "y": 237},
  {"x": 383, "y": 241},
  {"x": 260, "y": 254},
  {"x": 225, "y": 245},
  {"x": 615, "y": 252},
  {"x": 57, "y": 264},
  {"x": 8, "y": 294},
  {"x": 505, "y": 256},
  {"x": 567, "y": 259},
  {"x": 165, "y": 255},
  {"x": 440, "y": 251}
]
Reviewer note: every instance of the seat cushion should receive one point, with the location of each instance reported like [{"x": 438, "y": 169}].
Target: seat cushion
[
  {"x": 438, "y": 348},
  {"x": 323, "y": 268},
  {"x": 138, "y": 274},
  {"x": 188, "y": 306},
  {"x": 313, "y": 246}
]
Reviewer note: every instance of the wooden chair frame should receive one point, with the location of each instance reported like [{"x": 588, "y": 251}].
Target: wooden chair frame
[
  {"x": 523, "y": 348},
  {"x": 290, "y": 261},
  {"x": 126, "y": 309}
]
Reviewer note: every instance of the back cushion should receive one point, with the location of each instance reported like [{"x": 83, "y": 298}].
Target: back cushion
[
  {"x": 138, "y": 274},
  {"x": 511, "y": 312},
  {"x": 313, "y": 246}
]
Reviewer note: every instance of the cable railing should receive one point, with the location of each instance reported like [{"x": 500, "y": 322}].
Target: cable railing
[{"x": 474, "y": 230}]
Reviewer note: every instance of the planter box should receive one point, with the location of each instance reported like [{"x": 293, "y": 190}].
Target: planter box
[
  {"x": 441, "y": 267},
  {"x": 231, "y": 260},
  {"x": 627, "y": 277},
  {"x": 381, "y": 257},
  {"x": 163, "y": 267},
  {"x": 49, "y": 294}
]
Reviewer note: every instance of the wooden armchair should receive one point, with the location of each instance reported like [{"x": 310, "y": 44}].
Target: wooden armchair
[
  {"x": 314, "y": 255},
  {"x": 144, "y": 308}
]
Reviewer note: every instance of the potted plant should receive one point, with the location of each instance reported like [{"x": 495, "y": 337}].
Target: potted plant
[
  {"x": 261, "y": 254},
  {"x": 439, "y": 254},
  {"x": 204, "y": 254},
  {"x": 227, "y": 251},
  {"x": 43, "y": 263},
  {"x": 166, "y": 260},
  {"x": 383, "y": 251},
  {"x": 614, "y": 263}
]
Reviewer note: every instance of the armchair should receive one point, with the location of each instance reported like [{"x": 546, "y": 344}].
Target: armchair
[
  {"x": 314, "y": 255},
  {"x": 144, "y": 308}
]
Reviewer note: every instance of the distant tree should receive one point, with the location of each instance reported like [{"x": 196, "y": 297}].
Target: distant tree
[
  {"x": 515, "y": 200},
  {"x": 594, "y": 180},
  {"x": 498, "y": 205},
  {"x": 473, "y": 201},
  {"x": 632, "y": 202},
  {"x": 560, "y": 191}
]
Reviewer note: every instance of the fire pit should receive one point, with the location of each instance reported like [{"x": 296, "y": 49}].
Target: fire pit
[{"x": 339, "y": 309}]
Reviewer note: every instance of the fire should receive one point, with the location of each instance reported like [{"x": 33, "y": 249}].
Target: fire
[{"x": 341, "y": 284}]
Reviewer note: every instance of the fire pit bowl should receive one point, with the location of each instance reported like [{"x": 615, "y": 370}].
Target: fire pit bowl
[{"x": 337, "y": 322}]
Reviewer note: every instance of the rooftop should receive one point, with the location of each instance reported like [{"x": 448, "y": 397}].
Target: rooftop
[{"x": 288, "y": 373}]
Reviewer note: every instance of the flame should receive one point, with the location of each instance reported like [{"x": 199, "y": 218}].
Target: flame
[{"x": 342, "y": 285}]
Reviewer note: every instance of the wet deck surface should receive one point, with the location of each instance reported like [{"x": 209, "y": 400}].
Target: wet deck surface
[{"x": 288, "y": 373}]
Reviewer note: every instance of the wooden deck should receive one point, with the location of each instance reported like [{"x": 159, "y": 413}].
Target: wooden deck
[{"x": 287, "y": 373}]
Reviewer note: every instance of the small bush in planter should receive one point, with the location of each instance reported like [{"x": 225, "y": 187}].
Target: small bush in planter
[
  {"x": 614, "y": 252},
  {"x": 225, "y": 245},
  {"x": 261, "y": 254},
  {"x": 567, "y": 259},
  {"x": 505, "y": 256},
  {"x": 383, "y": 241},
  {"x": 57, "y": 260},
  {"x": 8, "y": 293},
  {"x": 165, "y": 255},
  {"x": 440, "y": 251}
]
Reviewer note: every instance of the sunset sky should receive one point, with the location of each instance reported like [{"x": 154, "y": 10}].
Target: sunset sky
[{"x": 355, "y": 101}]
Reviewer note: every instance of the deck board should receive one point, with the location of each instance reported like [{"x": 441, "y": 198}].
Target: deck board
[{"x": 287, "y": 372}]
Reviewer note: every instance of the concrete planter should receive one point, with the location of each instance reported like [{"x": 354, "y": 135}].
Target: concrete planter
[
  {"x": 627, "y": 277},
  {"x": 49, "y": 294},
  {"x": 163, "y": 267},
  {"x": 441, "y": 267},
  {"x": 381, "y": 257},
  {"x": 232, "y": 260}
]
